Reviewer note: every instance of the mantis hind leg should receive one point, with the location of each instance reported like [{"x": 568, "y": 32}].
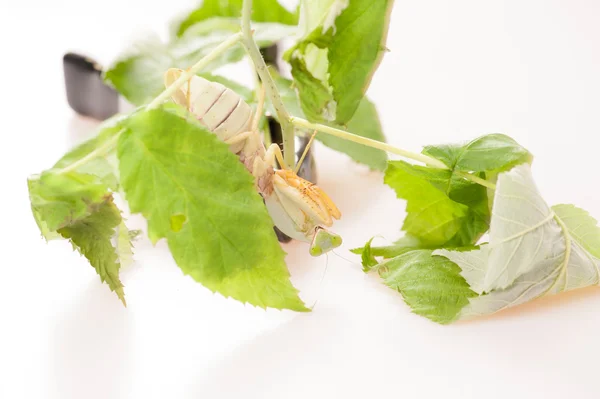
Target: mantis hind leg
[
  {"x": 259, "y": 108},
  {"x": 239, "y": 138}
]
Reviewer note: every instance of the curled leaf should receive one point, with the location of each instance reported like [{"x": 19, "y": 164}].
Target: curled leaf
[{"x": 532, "y": 250}]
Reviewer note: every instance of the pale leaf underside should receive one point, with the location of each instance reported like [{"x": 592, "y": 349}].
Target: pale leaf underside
[{"x": 531, "y": 249}]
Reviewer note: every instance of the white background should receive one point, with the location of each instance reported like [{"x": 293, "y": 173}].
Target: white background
[{"x": 456, "y": 70}]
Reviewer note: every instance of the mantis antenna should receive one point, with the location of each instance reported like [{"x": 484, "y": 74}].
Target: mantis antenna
[
  {"x": 305, "y": 152},
  {"x": 320, "y": 289}
]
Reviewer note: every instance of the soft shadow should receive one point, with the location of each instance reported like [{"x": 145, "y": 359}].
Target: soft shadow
[
  {"x": 543, "y": 304},
  {"x": 313, "y": 341},
  {"x": 354, "y": 192},
  {"x": 91, "y": 347}
]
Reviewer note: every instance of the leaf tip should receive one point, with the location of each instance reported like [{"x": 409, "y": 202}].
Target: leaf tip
[{"x": 121, "y": 296}]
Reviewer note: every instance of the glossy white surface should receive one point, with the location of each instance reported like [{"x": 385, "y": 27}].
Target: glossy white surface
[{"x": 457, "y": 69}]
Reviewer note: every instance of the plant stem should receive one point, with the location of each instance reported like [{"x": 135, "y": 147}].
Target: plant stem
[
  {"x": 98, "y": 152},
  {"x": 435, "y": 163},
  {"x": 287, "y": 128},
  {"x": 206, "y": 60},
  {"x": 368, "y": 142},
  {"x": 476, "y": 179}
]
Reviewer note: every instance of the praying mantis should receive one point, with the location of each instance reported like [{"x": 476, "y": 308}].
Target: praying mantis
[{"x": 297, "y": 207}]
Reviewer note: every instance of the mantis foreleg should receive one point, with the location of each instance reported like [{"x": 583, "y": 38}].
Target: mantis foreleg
[{"x": 274, "y": 152}]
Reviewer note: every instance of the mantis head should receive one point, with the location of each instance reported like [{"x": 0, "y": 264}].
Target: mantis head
[
  {"x": 300, "y": 209},
  {"x": 324, "y": 241}
]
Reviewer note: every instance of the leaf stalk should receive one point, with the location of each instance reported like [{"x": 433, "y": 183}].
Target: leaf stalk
[
  {"x": 98, "y": 152},
  {"x": 429, "y": 161},
  {"x": 476, "y": 179},
  {"x": 303, "y": 123}
]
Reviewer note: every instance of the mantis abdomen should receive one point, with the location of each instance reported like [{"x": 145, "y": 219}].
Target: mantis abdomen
[{"x": 217, "y": 107}]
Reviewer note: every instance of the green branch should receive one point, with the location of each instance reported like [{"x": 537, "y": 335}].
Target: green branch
[{"x": 287, "y": 128}]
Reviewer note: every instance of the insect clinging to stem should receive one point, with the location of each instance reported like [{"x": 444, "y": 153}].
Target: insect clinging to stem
[{"x": 298, "y": 208}]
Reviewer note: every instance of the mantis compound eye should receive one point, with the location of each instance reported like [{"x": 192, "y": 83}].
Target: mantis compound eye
[{"x": 324, "y": 241}]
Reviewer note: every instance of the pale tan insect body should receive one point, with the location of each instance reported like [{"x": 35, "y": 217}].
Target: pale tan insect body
[{"x": 298, "y": 208}]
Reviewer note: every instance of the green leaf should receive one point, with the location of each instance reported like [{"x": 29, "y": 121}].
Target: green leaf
[
  {"x": 431, "y": 285},
  {"x": 492, "y": 153},
  {"x": 401, "y": 246},
  {"x": 532, "y": 251},
  {"x": 138, "y": 73},
  {"x": 364, "y": 123},
  {"x": 485, "y": 157},
  {"x": 59, "y": 197},
  {"x": 92, "y": 236},
  {"x": 80, "y": 208},
  {"x": 521, "y": 233},
  {"x": 262, "y": 11},
  {"x": 432, "y": 216},
  {"x": 315, "y": 97},
  {"x": 58, "y": 200},
  {"x": 195, "y": 193},
  {"x": 367, "y": 257},
  {"x": 444, "y": 208},
  {"x": 104, "y": 167},
  {"x": 315, "y": 11},
  {"x": 477, "y": 220},
  {"x": 73, "y": 200},
  {"x": 124, "y": 245},
  {"x": 334, "y": 63},
  {"x": 582, "y": 227}
]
